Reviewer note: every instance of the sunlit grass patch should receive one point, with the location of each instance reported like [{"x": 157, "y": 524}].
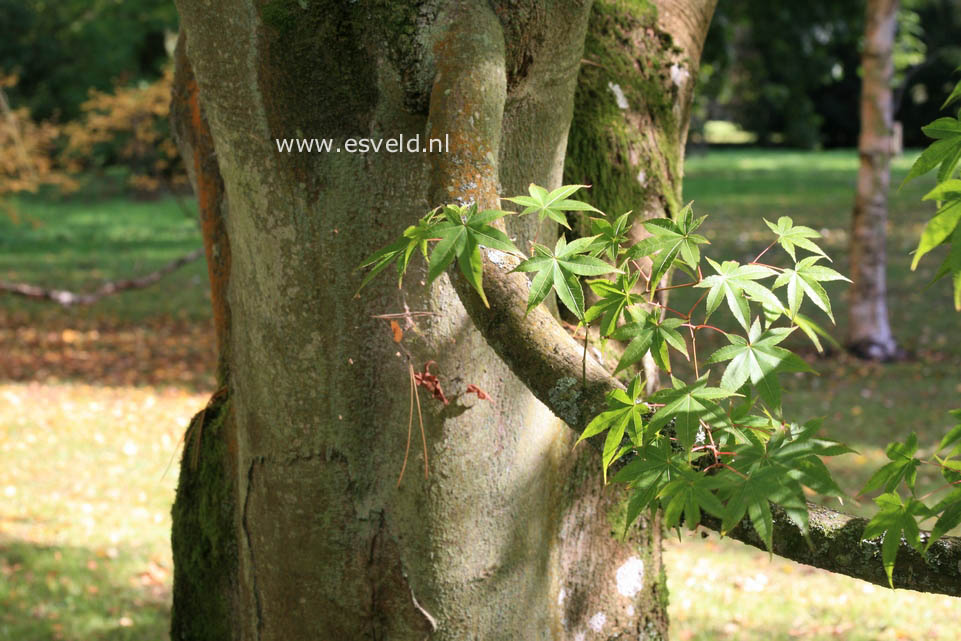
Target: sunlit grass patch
[{"x": 85, "y": 509}]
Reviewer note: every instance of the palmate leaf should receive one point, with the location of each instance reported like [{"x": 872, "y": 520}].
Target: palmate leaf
[
  {"x": 806, "y": 278},
  {"x": 814, "y": 332},
  {"x": 613, "y": 298},
  {"x": 895, "y": 518},
  {"x": 646, "y": 473},
  {"x": 669, "y": 240},
  {"x": 611, "y": 235},
  {"x": 759, "y": 360},
  {"x": 687, "y": 405},
  {"x": 559, "y": 269},
  {"x": 649, "y": 332},
  {"x": 551, "y": 204},
  {"x": 625, "y": 415},
  {"x": 903, "y": 467},
  {"x": 790, "y": 236},
  {"x": 731, "y": 283},
  {"x": 689, "y": 494},
  {"x": 461, "y": 234},
  {"x": 945, "y": 151},
  {"x": 414, "y": 237},
  {"x": 945, "y": 221},
  {"x": 949, "y": 509},
  {"x": 952, "y": 265}
]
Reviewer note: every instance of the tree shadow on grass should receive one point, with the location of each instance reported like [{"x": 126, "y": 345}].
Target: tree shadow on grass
[{"x": 79, "y": 594}]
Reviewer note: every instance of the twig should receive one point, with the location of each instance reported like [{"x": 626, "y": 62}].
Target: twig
[{"x": 67, "y": 298}]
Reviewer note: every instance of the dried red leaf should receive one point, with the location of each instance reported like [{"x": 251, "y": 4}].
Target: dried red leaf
[
  {"x": 431, "y": 383},
  {"x": 481, "y": 394}
]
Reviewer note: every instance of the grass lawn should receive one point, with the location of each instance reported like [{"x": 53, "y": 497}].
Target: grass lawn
[{"x": 93, "y": 403}]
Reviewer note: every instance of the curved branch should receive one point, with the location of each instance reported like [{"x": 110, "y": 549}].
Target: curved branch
[{"x": 67, "y": 298}]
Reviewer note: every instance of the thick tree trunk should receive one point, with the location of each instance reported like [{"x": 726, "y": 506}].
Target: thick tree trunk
[
  {"x": 289, "y": 523},
  {"x": 869, "y": 334},
  {"x": 632, "y": 110}
]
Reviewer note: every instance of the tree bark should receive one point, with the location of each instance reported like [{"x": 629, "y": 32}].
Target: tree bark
[
  {"x": 869, "y": 332},
  {"x": 289, "y": 521}
]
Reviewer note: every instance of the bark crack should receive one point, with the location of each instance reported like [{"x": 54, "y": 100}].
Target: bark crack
[{"x": 250, "y": 549}]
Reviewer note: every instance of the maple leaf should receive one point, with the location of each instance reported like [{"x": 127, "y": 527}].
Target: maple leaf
[
  {"x": 611, "y": 235},
  {"x": 551, "y": 205},
  {"x": 613, "y": 298},
  {"x": 668, "y": 240},
  {"x": 560, "y": 270},
  {"x": 790, "y": 236},
  {"x": 687, "y": 405},
  {"x": 731, "y": 282},
  {"x": 895, "y": 518},
  {"x": 625, "y": 415},
  {"x": 806, "y": 278},
  {"x": 461, "y": 235},
  {"x": 758, "y": 359},
  {"x": 945, "y": 151},
  {"x": 649, "y": 332}
]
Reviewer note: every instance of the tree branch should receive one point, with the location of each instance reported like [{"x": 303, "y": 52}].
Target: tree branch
[
  {"x": 67, "y": 298},
  {"x": 836, "y": 545}
]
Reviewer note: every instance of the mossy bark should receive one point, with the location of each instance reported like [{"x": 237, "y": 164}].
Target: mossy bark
[{"x": 508, "y": 537}]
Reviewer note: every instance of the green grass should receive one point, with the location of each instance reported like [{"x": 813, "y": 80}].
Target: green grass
[{"x": 77, "y": 242}]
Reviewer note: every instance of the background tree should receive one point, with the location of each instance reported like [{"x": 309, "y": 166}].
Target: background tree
[{"x": 869, "y": 331}]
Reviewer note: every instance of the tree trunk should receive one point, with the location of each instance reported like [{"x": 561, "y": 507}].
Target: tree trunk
[
  {"x": 869, "y": 334},
  {"x": 632, "y": 111},
  {"x": 289, "y": 521}
]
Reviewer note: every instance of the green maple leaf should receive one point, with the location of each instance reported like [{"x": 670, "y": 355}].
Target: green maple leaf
[
  {"x": 551, "y": 204},
  {"x": 461, "y": 235},
  {"x": 903, "y": 466},
  {"x": 758, "y": 359},
  {"x": 625, "y": 415},
  {"x": 944, "y": 222},
  {"x": 895, "y": 518},
  {"x": 669, "y": 240},
  {"x": 560, "y": 270},
  {"x": 644, "y": 475},
  {"x": 950, "y": 510},
  {"x": 687, "y": 495},
  {"x": 806, "y": 278},
  {"x": 790, "y": 236},
  {"x": 688, "y": 405},
  {"x": 732, "y": 282},
  {"x": 611, "y": 235},
  {"x": 952, "y": 265},
  {"x": 414, "y": 237},
  {"x": 945, "y": 151},
  {"x": 795, "y": 454},
  {"x": 648, "y": 331},
  {"x": 613, "y": 298}
]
